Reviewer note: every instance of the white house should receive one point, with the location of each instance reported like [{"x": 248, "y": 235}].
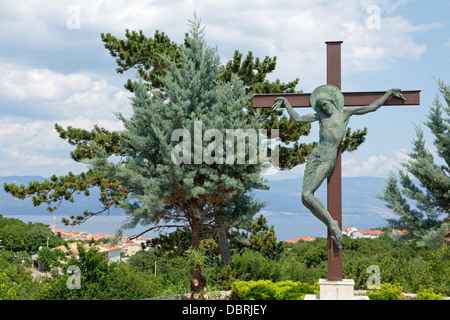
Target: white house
[
  {"x": 112, "y": 253},
  {"x": 348, "y": 230},
  {"x": 370, "y": 234}
]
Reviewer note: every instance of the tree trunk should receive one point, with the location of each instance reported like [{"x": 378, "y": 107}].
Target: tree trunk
[
  {"x": 198, "y": 284},
  {"x": 224, "y": 248},
  {"x": 198, "y": 281}
]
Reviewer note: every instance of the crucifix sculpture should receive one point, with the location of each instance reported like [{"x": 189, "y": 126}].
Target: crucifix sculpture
[{"x": 325, "y": 160}]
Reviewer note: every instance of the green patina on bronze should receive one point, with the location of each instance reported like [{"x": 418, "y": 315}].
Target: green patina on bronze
[{"x": 328, "y": 103}]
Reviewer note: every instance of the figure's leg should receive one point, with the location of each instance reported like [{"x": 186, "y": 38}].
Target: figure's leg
[{"x": 313, "y": 178}]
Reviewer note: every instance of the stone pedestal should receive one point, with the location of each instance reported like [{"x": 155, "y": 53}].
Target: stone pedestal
[{"x": 335, "y": 290}]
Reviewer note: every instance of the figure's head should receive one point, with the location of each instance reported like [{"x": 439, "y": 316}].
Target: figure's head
[{"x": 327, "y": 98}]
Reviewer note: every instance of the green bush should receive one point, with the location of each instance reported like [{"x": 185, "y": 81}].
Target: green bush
[
  {"x": 427, "y": 269},
  {"x": 253, "y": 265},
  {"x": 268, "y": 290},
  {"x": 388, "y": 291},
  {"x": 292, "y": 268},
  {"x": 428, "y": 294},
  {"x": 7, "y": 290},
  {"x": 118, "y": 282}
]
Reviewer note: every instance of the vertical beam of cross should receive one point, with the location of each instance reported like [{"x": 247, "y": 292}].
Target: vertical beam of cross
[{"x": 334, "y": 188}]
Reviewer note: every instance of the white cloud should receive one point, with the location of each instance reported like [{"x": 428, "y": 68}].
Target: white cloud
[
  {"x": 23, "y": 82},
  {"x": 34, "y": 148},
  {"x": 48, "y": 94},
  {"x": 297, "y": 36},
  {"x": 276, "y": 174},
  {"x": 31, "y": 148},
  {"x": 29, "y": 143},
  {"x": 42, "y": 97},
  {"x": 374, "y": 165},
  {"x": 295, "y": 32}
]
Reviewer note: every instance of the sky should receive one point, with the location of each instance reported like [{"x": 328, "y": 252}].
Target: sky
[{"x": 55, "y": 69}]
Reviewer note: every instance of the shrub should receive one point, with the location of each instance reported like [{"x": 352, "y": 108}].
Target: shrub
[
  {"x": 388, "y": 291},
  {"x": 253, "y": 290},
  {"x": 293, "y": 269},
  {"x": 428, "y": 294},
  {"x": 118, "y": 282},
  {"x": 253, "y": 265},
  {"x": 427, "y": 269},
  {"x": 289, "y": 290},
  {"x": 7, "y": 290},
  {"x": 268, "y": 290}
]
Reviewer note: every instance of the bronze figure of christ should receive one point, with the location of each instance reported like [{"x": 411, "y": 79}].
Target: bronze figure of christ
[{"x": 328, "y": 103}]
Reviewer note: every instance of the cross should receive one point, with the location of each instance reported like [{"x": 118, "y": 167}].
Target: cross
[{"x": 302, "y": 100}]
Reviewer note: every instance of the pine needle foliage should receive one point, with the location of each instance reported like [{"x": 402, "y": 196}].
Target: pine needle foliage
[{"x": 420, "y": 193}]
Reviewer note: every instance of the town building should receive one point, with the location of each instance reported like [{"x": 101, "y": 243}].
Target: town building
[
  {"x": 348, "y": 230},
  {"x": 352, "y": 232},
  {"x": 368, "y": 234},
  {"x": 301, "y": 238},
  {"x": 112, "y": 252},
  {"x": 131, "y": 248}
]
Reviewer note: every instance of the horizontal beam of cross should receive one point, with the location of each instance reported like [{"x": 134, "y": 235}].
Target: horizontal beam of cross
[{"x": 301, "y": 100}]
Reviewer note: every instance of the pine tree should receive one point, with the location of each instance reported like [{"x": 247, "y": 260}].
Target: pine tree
[
  {"x": 424, "y": 220},
  {"x": 263, "y": 239},
  {"x": 168, "y": 182},
  {"x": 144, "y": 54}
]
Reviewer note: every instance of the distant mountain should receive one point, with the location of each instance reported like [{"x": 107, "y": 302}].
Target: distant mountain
[
  {"x": 284, "y": 199},
  {"x": 10, "y": 205},
  {"x": 358, "y": 197}
]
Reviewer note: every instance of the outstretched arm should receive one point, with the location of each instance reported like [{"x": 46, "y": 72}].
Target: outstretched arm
[
  {"x": 294, "y": 115},
  {"x": 374, "y": 106}
]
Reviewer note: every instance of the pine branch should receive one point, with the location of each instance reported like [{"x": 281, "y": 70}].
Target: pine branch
[{"x": 156, "y": 228}]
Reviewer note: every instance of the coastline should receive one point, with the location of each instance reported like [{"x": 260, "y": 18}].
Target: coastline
[{"x": 286, "y": 227}]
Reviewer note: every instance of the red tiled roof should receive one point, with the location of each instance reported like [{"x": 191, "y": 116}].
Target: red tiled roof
[
  {"x": 401, "y": 231},
  {"x": 372, "y": 232},
  {"x": 306, "y": 238},
  {"x": 301, "y": 238}
]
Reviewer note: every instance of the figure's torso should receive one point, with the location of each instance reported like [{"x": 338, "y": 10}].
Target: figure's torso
[{"x": 332, "y": 130}]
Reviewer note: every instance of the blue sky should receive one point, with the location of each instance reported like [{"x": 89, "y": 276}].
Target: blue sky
[{"x": 55, "y": 69}]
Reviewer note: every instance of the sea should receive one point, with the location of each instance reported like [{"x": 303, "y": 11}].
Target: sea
[{"x": 286, "y": 226}]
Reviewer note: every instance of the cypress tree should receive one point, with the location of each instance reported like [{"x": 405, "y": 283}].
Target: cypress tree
[
  {"x": 424, "y": 208},
  {"x": 188, "y": 182}
]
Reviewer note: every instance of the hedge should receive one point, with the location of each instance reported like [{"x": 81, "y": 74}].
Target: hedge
[{"x": 268, "y": 290}]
